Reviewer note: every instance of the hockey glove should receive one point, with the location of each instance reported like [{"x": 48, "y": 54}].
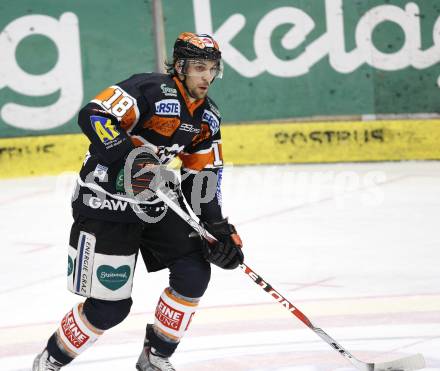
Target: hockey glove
[
  {"x": 148, "y": 174},
  {"x": 226, "y": 252},
  {"x": 144, "y": 168}
]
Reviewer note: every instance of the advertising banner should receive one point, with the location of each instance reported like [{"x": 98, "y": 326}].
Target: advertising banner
[
  {"x": 56, "y": 55},
  {"x": 305, "y": 81},
  {"x": 325, "y": 58}
]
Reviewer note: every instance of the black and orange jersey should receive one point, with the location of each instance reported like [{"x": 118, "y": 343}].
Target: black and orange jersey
[{"x": 145, "y": 110}]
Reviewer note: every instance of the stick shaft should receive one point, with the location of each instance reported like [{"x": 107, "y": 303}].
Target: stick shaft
[
  {"x": 168, "y": 199},
  {"x": 298, "y": 314},
  {"x": 411, "y": 363}
]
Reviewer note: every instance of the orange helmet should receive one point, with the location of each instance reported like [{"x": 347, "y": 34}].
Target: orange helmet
[{"x": 196, "y": 46}]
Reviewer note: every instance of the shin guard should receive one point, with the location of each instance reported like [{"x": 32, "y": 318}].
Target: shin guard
[
  {"x": 174, "y": 314},
  {"x": 75, "y": 333}
]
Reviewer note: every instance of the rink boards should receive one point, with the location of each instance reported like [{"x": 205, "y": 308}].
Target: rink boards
[{"x": 255, "y": 143}]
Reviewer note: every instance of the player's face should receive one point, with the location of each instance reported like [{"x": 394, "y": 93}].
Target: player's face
[{"x": 199, "y": 76}]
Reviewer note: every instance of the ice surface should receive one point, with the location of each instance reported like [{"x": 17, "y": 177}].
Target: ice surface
[{"x": 355, "y": 246}]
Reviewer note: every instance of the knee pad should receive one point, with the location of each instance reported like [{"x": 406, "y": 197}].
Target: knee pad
[
  {"x": 105, "y": 314},
  {"x": 190, "y": 277}
]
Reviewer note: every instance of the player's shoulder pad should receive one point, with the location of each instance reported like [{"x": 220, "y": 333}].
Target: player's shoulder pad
[
  {"x": 158, "y": 86},
  {"x": 146, "y": 81},
  {"x": 155, "y": 87},
  {"x": 211, "y": 115},
  {"x": 134, "y": 80},
  {"x": 212, "y": 106}
]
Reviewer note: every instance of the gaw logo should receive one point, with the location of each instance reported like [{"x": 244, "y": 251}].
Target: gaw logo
[
  {"x": 113, "y": 278},
  {"x": 104, "y": 128},
  {"x": 69, "y": 266}
]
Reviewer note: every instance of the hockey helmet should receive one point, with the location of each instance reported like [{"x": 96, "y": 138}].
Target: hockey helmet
[
  {"x": 196, "y": 46},
  {"x": 192, "y": 47}
]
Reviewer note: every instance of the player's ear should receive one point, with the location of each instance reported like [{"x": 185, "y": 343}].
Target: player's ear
[{"x": 179, "y": 67}]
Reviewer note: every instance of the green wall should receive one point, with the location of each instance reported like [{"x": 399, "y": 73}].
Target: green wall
[
  {"x": 301, "y": 58},
  {"x": 95, "y": 43},
  {"x": 283, "y": 59}
]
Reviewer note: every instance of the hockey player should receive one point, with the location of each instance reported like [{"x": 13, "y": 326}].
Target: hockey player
[{"x": 171, "y": 115}]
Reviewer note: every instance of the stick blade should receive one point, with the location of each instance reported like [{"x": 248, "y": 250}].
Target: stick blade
[{"x": 414, "y": 362}]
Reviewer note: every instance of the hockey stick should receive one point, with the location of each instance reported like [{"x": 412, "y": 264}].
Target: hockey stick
[{"x": 414, "y": 362}]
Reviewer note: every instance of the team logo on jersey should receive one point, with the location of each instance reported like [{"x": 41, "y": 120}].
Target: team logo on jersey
[
  {"x": 214, "y": 109},
  {"x": 204, "y": 134},
  {"x": 212, "y": 121},
  {"x": 100, "y": 172},
  {"x": 120, "y": 181},
  {"x": 166, "y": 154},
  {"x": 189, "y": 128},
  {"x": 167, "y": 91},
  {"x": 113, "y": 278},
  {"x": 111, "y": 204},
  {"x": 104, "y": 128},
  {"x": 165, "y": 126},
  {"x": 168, "y": 107}
]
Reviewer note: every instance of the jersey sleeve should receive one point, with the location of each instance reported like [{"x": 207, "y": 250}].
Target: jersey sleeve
[
  {"x": 107, "y": 120},
  {"x": 202, "y": 168}
]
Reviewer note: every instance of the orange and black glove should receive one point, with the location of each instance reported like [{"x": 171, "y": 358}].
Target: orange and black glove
[
  {"x": 147, "y": 166},
  {"x": 226, "y": 252},
  {"x": 148, "y": 174}
]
